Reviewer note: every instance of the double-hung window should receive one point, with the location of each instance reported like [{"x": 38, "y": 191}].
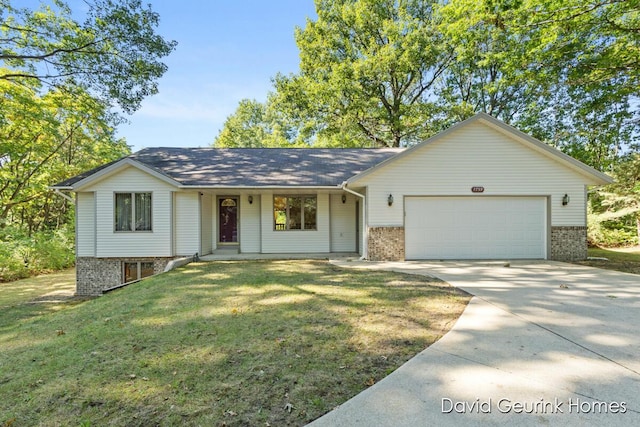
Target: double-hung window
[
  {"x": 132, "y": 212},
  {"x": 295, "y": 212}
]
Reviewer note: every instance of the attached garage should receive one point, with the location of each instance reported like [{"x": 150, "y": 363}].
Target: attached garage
[{"x": 476, "y": 227}]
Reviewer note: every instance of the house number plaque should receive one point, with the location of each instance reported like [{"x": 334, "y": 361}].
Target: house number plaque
[{"x": 477, "y": 189}]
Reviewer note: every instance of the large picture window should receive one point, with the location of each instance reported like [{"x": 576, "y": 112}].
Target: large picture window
[
  {"x": 132, "y": 212},
  {"x": 295, "y": 212}
]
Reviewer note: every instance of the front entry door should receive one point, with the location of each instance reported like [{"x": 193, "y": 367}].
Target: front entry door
[{"x": 228, "y": 219}]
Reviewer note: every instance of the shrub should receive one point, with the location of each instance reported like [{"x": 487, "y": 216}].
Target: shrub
[
  {"x": 23, "y": 256},
  {"x": 610, "y": 233}
]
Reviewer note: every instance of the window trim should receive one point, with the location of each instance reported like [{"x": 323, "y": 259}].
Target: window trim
[
  {"x": 133, "y": 211},
  {"x": 302, "y": 208},
  {"x": 123, "y": 268}
]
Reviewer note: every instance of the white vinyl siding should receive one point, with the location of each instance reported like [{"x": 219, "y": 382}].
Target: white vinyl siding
[
  {"x": 476, "y": 227},
  {"x": 86, "y": 225},
  {"x": 207, "y": 224},
  {"x": 474, "y": 155},
  {"x": 187, "y": 223},
  {"x": 343, "y": 223},
  {"x": 250, "y": 223},
  {"x": 156, "y": 243},
  {"x": 295, "y": 241}
]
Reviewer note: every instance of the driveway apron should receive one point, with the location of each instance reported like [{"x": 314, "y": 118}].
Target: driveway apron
[{"x": 540, "y": 343}]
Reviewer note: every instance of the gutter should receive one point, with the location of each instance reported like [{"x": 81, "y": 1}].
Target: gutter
[
  {"x": 61, "y": 194},
  {"x": 365, "y": 234}
]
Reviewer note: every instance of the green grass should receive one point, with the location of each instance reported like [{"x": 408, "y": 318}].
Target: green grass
[
  {"x": 627, "y": 261},
  {"x": 226, "y": 343},
  {"x": 23, "y": 290}
]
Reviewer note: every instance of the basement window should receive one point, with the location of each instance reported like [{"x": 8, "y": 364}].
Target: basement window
[{"x": 132, "y": 271}]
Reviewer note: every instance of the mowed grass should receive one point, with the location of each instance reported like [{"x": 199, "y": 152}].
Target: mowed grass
[
  {"x": 13, "y": 293},
  {"x": 617, "y": 259},
  {"x": 228, "y": 343}
]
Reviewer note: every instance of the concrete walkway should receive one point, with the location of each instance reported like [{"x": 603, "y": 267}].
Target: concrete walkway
[{"x": 541, "y": 343}]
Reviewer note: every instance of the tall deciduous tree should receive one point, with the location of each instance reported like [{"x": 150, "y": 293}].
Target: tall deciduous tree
[
  {"x": 617, "y": 206},
  {"x": 115, "y": 53},
  {"x": 59, "y": 80},
  {"x": 367, "y": 67},
  {"x": 252, "y": 125},
  {"x": 43, "y": 140},
  {"x": 593, "y": 42}
]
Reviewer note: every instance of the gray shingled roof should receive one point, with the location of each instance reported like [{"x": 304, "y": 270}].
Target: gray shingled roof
[{"x": 255, "y": 167}]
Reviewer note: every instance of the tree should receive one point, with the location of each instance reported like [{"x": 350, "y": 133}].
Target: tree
[
  {"x": 617, "y": 206},
  {"x": 491, "y": 71},
  {"x": 594, "y": 43},
  {"x": 250, "y": 126},
  {"x": 367, "y": 68},
  {"x": 45, "y": 139},
  {"x": 60, "y": 82},
  {"x": 115, "y": 53}
]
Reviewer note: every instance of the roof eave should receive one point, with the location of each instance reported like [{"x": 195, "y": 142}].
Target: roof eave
[
  {"x": 260, "y": 187},
  {"x": 103, "y": 173}
]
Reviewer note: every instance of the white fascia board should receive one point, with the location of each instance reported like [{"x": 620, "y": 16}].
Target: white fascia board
[{"x": 114, "y": 168}]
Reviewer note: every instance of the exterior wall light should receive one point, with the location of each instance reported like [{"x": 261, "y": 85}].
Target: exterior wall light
[
  {"x": 344, "y": 199},
  {"x": 565, "y": 200},
  {"x": 250, "y": 200},
  {"x": 390, "y": 199}
]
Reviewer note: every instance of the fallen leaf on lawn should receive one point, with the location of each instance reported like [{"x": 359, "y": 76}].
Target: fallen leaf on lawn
[
  {"x": 132, "y": 376},
  {"x": 231, "y": 413},
  {"x": 370, "y": 382},
  {"x": 288, "y": 407}
]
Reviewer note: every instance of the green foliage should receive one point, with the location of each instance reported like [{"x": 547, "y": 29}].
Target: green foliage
[
  {"x": 253, "y": 125},
  {"x": 115, "y": 53},
  {"x": 22, "y": 255},
  {"x": 383, "y": 72},
  {"x": 614, "y": 210},
  {"x": 46, "y": 138},
  {"x": 368, "y": 68},
  {"x": 59, "y": 82}
]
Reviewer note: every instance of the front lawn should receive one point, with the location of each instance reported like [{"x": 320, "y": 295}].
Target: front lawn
[
  {"x": 226, "y": 343},
  {"x": 617, "y": 259}
]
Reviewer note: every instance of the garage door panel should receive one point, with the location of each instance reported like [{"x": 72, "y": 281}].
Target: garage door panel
[{"x": 475, "y": 227}]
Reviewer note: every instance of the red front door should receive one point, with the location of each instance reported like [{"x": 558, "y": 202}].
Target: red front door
[{"x": 228, "y": 219}]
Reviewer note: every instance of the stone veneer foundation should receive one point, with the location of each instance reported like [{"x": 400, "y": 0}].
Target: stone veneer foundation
[
  {"x": 94, "y": 275},
  {"x": 568, "y": 243},
  {"x": 386, "y": 243}
]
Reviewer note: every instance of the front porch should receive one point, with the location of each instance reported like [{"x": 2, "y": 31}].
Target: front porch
[{"x": 231, "y": 255}]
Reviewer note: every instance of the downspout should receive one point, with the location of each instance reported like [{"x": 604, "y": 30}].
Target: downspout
[{"x": 365, "y": 234}]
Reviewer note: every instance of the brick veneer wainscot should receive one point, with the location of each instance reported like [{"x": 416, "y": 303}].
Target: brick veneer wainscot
[
  {"x": 568, "y": 243},
  {"x": 94, "y": 275},
  {"x": 386, "y": 243}
]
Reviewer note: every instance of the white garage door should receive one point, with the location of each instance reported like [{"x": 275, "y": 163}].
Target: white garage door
[{"x": 475, "y": 227}]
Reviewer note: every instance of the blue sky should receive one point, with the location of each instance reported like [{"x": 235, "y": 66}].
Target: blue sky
[{"x": 227, "y": 51}]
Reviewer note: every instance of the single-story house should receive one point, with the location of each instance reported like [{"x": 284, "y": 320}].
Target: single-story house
[{"x": 479, "y": 190}]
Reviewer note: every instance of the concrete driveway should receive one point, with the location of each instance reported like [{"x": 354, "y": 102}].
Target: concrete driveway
[{"x": 541, "y": 343}]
